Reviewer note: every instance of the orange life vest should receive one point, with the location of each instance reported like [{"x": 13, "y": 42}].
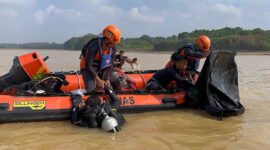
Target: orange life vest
[{"x": 85, "y": 53}]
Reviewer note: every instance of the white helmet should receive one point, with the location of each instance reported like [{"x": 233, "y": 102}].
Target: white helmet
[{"x": 109, "y": 124}]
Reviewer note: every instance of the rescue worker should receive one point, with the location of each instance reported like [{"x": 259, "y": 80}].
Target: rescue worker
[
  {"x": 97, "y": 58},
  {"x": 120, "y": 60},
  {"x": 194, "y": 52},
  {"x": 177, "y": 72}
]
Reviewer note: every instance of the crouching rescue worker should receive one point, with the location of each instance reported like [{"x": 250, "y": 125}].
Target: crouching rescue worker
[
  {"x": 193, "y": 53},
  {"x": 163, "y": 79},
  {"x": 97, "y": 58},
  {"x": 94, "y": 113}
]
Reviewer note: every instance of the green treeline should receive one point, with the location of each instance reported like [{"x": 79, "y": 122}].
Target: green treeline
[{"x": 222, "y": 39}]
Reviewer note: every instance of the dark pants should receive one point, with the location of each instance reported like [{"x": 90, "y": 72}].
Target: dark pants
[
  {"x": 90, "y": 84},
  {"x": 89, "y": 81},
  {"x": 154, "y": 85}
]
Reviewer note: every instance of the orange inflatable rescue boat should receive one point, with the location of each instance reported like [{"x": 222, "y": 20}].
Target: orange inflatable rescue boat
[{"x": 28, "y": 103}]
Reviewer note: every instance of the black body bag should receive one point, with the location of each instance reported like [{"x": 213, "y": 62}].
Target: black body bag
[{"x": 217, "y": 86}]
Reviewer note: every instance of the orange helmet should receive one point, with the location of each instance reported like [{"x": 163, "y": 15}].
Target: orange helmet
[
  {"x": 203, "y": 43},
  {"x": 112, "y": 33}
]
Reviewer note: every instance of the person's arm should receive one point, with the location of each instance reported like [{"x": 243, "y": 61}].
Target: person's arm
[
  {"x": 93, "y": 49},
  {"x": 116, "y": 63},
  {"x": 128, "y": 60},
  {"x": 189, "y": 53},
  {"x": 131, "y": 62},
  {"x": 181, "y": 80},
  {"x": 90, "y": 57}
]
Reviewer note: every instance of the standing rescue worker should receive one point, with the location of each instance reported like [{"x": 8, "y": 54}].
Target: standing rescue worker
[
  {"x": 97, "y": 58},
  {"x": 193, "y": 52}
]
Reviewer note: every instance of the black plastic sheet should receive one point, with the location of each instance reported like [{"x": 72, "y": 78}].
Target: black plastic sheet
[{"x": 217, "y": 85}]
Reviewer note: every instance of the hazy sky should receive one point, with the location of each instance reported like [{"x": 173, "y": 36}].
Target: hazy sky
[{"x": 58, "y": 20}]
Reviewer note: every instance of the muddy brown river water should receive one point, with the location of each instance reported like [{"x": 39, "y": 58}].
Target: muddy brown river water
[{"x": 182, "y": 129}]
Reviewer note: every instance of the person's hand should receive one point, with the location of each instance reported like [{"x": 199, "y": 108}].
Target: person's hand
[
  {"x": 100, "y": 83},
  {"x": 108, "y": 83},
  {"x": 190, "y": 83}
]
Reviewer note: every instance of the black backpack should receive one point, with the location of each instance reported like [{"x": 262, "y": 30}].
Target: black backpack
[{"x": 85, "y": 47}]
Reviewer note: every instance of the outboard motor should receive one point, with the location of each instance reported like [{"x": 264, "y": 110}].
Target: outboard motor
[{"x": 25, "y": 68}]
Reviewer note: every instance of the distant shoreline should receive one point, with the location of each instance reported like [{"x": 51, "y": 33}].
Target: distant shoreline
[
  {"x": 267, "y": 52},
  {"x": 254, "y": 53}
]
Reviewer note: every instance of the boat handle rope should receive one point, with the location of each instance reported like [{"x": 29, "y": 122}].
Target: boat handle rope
[
  {"x": 79, "y": 80},
  {"x": 45, "y": 80},
  {"x": 142, "y": 77}
]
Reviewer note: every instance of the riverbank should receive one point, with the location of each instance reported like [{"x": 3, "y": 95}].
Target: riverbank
[{"x": 242, "y": 52}]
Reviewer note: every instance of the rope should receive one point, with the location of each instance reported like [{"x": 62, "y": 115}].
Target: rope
[
  {"x": 79, "y": 80},
  {"x": 142, "y": 77},
  {"x": 45, "y": 80}
]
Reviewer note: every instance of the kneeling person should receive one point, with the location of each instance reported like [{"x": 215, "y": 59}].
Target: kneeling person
[{"x": 177, "y": 72}]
